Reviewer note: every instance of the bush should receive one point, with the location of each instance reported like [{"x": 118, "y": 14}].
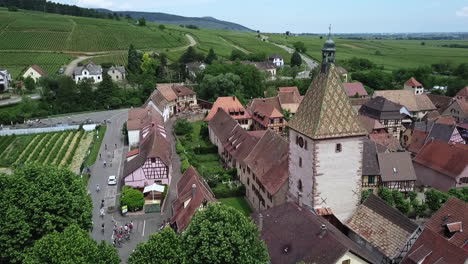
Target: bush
[
  {"x": 223, "y": 191},
  {"x": 212, "y": 149},
  {"x": 412, "y": 195},
  {"x": 179, "y": 148},
  {"x": 183, "y": 127},
  {"x": 132, "y": 198},
  {"x": 364, "y": 195},
  {"x": 12, "y": 9},
  {"x": 185, "y": 165}
]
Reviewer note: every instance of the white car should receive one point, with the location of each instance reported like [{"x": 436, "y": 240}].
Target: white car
[{"x": 112, "y": 180}]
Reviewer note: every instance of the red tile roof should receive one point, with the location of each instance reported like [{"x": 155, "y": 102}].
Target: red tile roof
[
  {"x": 386, "y": 140},
  {"x": 133, "y": 153},
  {"x": 141, "y": 117},
  {"x": 189, "y": 200},
  {"x": 39, "y": 70},
  {"x": 263, "y": 109},
  {"x": 355, "y": 88},
  {"x": 417, "y": 141},
  {"x": 171, "y": 91},
  {"x": 463, "y": 92},
  {"x": 412, "y": 82},
  {"x": 289, "y": 95},
  {"x": 448, "y": 159},
  {"x": 269, "y": 161},
  {"x": 231, "y": 105}
]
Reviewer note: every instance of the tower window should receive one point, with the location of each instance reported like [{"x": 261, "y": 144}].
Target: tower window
[
  {"x": 305, "y": 144},
  {"x": 299, "y": 185},
  {"x": 338, "y": 148},
  {"x": 300, "y": 162},
  {"x": 301, "y": 142}
]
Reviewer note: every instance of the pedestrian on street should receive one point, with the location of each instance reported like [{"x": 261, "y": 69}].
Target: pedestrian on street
[
  {"x": 105, "y": 164},
  {"x": 131, "y": 226},
  {"x": 110, "y": 163},
  {"x": 105, "y": 146},
  {"x": 99, "y": 155},
  {"x": 115, "y": 145}
]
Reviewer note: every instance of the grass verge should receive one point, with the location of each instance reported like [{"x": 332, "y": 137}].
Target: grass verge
[
  {"x": 239, "y": 203},
  {"x": 95, "y": 146}
]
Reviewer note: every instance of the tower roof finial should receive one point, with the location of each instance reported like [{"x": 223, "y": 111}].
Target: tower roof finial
[{"x": 329, "y": 32}]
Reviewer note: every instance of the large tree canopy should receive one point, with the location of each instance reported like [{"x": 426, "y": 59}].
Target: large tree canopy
[
  {"x": 212, "y": 87},
  {"x": 162, "y": 248},
  {"x": 37, "y": 200},
  {"x": 73, "y": 245}
]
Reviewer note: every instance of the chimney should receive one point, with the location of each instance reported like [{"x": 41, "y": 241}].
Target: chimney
[
  {"x": 194, "y": 189},
  {"x": 323, "y": 230},
  {"x": 260, "y": 222}
]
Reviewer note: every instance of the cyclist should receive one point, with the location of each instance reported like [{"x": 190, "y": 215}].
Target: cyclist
[{"x": 97, "y": 187}]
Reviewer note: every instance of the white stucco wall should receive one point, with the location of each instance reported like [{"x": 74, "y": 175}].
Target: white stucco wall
[
  {"x": 133, "y": 137},
  {"x": 352, "y": 258},
  {"x": 32, "y": 73},
  {"x": 337, "y": 177}
]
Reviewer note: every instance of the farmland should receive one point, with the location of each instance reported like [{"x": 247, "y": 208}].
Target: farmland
[
  {"x": 63, "y": 149},
  {"x": 392, "y": 54},
  {"x": 16, "y": 62}
]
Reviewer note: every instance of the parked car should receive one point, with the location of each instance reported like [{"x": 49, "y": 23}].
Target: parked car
[{"x": 112, "y": 180}]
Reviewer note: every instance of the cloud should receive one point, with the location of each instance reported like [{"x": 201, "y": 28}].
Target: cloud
[
  {"x": 463, "y": 12},
  {"x": 95, "y": 3}
]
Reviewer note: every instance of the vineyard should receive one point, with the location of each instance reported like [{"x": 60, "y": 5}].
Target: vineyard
[
  {"x": 63, "y": 149},
  {"x": 16, "y": 62},
  {"x": 115, "y": 59}
]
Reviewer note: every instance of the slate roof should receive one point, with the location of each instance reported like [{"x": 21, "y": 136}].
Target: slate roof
[
  {"x": 275, "y": 56},
  {"x": 325, "y": 111},
  {"x": 413, "y": 82},
  {"x": 407, "y": 98},
  {"x": 355, "y": 88},
  {"x": 453, "y": 211},
  {"x": 440, "y": 102},
  {"x": 230, "y": 104},
  {"x": 396, "y": 166},
  {"x": 293, "y": 234},
  {"x": 91, "y": 67},
  {"x": 442, "y": 132},
  {"x": 381, "y": 109},
  {"x": 269, "y": 161},
  {"x": 370, "y": 164},
  {"x": 120, "y": 69},
  {"x": 431, "y": 248},
  {"x": 447, "y": 159},
  {"x": 382, "y": 226},
  {"x": 183, "y": 214}
]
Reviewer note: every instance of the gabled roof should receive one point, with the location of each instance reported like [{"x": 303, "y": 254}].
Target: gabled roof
[
  {"x": 463, "y": 92},
  {"x": 341, "y": 70},
  {"x": 370, "y": 164},
  {"x": 39, "y": 70},
  {"x": 262, "y": 109},
  {"x": 370, "y": 124},
  {"x": 386, "y": 140},
  {"x": 91, "y": 67},
  {"x": 293, "y": 234},
  {"x": 142, "y": 117},
  {"x": 442, "y": 132},
  {"x": 407, "y": 98},
  {"x": 417, "y": 141},
  {"x": 229, "y": 104},
  {"x": 189, "y": 199},
  {"x": 275, "y": 56},
  {"x": 158, "y": 100},
  {"x": 269, "y": 161},
  {"x": 454, "y": 211},
  {"x": 463, "y": 103},
  {"x": 382, "y": 226},
  {"x": 448, "y": 159},
  {"x": 325, "y": 111},
  {"x": 440, "y": 101},
  {"x": 170, "y": 91},
  {"x": 381, "y": 108},
  {"x": 222, "y": 124},
  {"x": 355, "y": 88},
  {"x": 121, "y": 69},
  {"x": 412, "y": 82},
  {"x": 240, "y": 143},
  {"x": 396, "y": 166},
  {"x": 289, "y": 95}
]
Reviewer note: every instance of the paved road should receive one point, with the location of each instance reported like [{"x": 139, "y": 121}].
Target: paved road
[
  {"x": 16, "y": 100},
  {"x": 72, "y": 65}
]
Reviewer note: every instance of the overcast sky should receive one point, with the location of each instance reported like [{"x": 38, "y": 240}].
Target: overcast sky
[{"x": 346, "y": 16}]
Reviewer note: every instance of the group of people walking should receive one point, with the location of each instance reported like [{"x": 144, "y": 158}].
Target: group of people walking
[
  {"x": 121, "y": 234},
  {"x": 110, "y": 161}
]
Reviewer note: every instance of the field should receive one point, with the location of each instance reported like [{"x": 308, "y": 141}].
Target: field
[
  {"x": 64, "y": 149},
  {"x": 395, "y": 54},
  {"x": 16, "y": 62},
  {"x": 238, "y": 203},
  {"x": 115, "y": 59}
]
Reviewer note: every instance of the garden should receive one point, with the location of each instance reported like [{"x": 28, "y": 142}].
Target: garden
[{"x": 195, "y": 149}]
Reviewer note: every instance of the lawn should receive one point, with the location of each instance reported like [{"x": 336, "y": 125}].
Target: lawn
[
  {"x": 238, "y": 203},
  {"x": 395, "y": 54},
  {"x": 95, "y": 146}
]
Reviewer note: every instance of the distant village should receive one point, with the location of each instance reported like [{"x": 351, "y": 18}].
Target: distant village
[{"x": 313, "y": 165}]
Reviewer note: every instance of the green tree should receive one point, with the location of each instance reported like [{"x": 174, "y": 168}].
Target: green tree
[
  {"x": 423, "y": 43},
  {"x": 435, "y": 199},
  {"x": 182, "y": 127},
  {"x": 296, "y": 59},
  {"x": 213, "y": 87},
  {"x": 132, "y": 198},
  {"x": 134, "y": 60},
  {"x": 365, "y": 194},
  {"x": 149, "y": 64},
  {"x": 221, "y": 234},
  {"x": 376, "y": 79},
  {"x": 161, "y": 27},
  {"x": 210, "y": 57},
  {"x": 237, "y": 55},
  {"x": 37, "y": 200},
  {"x": 162, "y": 248},
  {"x": 105, "y": 91},
  {"x": 142, "y": 22},
  {"x": 299, "y": 46},
  {"x": 190, "y": 55},
  {"x": 73, "y": 245},
  {"x": 386, "y": 195},
  {"x": 29, "y": 83},
  {"x": 27, "y": 107}
]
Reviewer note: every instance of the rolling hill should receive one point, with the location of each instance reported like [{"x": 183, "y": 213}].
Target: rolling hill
[{"x": 201, "y": 22}]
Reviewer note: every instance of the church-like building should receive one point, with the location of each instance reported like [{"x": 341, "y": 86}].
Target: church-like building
[{"x": 326, "y": 145}]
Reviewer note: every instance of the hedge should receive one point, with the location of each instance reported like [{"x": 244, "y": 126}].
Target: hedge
[
  {"x": 134, "y": 199},
  {"x": 223, "y": 191}
]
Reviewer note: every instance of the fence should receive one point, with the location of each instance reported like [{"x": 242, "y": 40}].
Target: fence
[{"x": 29, "y": 131}]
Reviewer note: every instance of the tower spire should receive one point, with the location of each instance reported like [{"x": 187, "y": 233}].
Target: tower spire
[
  {"x": 329, "y": 32},
  {"x": 328, "y": 51}
]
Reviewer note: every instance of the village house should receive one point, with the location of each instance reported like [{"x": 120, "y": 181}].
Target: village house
[
  {"x": 179, "y": 98},
  {"x": 387, "y": 141},
  {"x": 355, "y": 89},
  {"x": 294, "y": 235},
  {"x": 396, "y": 171},
  {"x": 266, "y": 114},
  {"x": 117, "y": 73},
  {"x": 442, "y": 165},
  {"x": 195, "y": 68},
  {"x": 160, "y": 104},
  {"x": 371, "y": 125},
  {"x": 193, "y": 193},
  {"x": 414, "y": 86},
  {"x": 220, "y": 128},
  {"x": 138, "y": 119},
  {"x": 381, "y": 227},
  {"x": 389, "y": 114},
  {"x": 289, "y": 99},
  {"x": 459, "y": 106},
  {"x": 151, "y": 162},
  {"x": 325, "y": 130},
  {"x": 276, "y": 59},
  {"x": 264, "y": 172},
  {"x": 233, "y": 106},
  {"x": 266, "y": 67},
  {"x": 343, "y": 74},
  {"x": 35, "y": 72},
  {"x": 443, "y": 239},
  {"x": 370, "y": 166},
  {"x": 88, "y": 71},
  {"x": 440, "y": 102},
  {"x": 418, "y": 105},
  {"x": 5, "y": 79}
]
